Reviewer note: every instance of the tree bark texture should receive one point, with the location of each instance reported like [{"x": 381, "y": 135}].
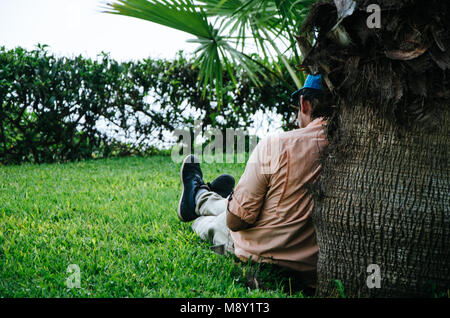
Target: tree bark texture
[{"x": 386, "y": 202}]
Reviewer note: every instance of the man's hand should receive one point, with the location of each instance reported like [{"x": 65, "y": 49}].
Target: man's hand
[{"x": 234, "y": 223}]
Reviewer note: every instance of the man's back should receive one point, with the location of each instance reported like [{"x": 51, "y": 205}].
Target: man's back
[{"x": 271, "y": 196}]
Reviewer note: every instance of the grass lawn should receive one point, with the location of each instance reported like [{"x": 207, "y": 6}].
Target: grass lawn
[{"x": 115, "y": 219}]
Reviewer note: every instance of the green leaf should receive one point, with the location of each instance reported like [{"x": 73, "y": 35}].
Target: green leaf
[{"x": 224, "y": 29}]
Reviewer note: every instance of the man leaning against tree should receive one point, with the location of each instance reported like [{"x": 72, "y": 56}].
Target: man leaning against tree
[{"x": 267, "y": 217}]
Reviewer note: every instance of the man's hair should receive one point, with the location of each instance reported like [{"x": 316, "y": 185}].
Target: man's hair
[{"x": 316, "y": 99}]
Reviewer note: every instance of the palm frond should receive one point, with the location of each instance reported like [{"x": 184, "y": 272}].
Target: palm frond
[
  {"x": 242, "y": 20},
  {"x": 181, "y": 15}
]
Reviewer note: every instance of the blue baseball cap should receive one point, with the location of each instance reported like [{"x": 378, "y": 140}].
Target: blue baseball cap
[{"x": 313, "y": 82}]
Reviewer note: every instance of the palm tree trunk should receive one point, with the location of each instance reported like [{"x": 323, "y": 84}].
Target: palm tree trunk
[
  {"x": 383, "y": 217},
  {"x": 387, "y": 202}
]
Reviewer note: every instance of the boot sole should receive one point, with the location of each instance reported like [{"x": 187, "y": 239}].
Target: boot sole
[{"x": 182, "y": 190}]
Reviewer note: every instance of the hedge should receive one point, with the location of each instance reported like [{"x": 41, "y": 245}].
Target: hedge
[{"x": 51, "y": 107}]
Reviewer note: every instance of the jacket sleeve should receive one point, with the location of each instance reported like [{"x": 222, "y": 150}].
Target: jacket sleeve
[{"x": 248, "y": 197}]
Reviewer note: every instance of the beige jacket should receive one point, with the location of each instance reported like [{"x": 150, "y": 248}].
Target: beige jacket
[{"x": 271, "y": 196}]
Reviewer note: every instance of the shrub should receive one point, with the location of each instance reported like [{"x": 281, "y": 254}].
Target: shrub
[{"x": 59, "y": 108}]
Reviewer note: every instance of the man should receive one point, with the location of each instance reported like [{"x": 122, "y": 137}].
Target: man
[{"x": 267, "y": 217}]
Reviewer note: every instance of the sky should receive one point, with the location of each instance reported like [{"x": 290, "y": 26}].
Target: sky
[{"x": 72, "y": 27}]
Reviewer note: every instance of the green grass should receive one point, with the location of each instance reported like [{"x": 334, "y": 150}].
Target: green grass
[{"x": 116, "y": 219}]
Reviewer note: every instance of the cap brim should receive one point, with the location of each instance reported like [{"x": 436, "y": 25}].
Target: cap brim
[
  {"x": 305, "y": 91},
  {"x": 294, "y": 96}
]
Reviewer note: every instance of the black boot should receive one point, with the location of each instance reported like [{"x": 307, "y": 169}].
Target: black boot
[
  {"x": 191, "y": 180},
  {"x": 223, "y": 185}
]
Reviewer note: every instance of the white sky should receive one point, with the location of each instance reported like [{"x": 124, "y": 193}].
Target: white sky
[{"x": 72, "y": 27}]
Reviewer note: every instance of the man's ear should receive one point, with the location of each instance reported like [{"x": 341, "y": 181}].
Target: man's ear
[{"x": 305, "y": 105}]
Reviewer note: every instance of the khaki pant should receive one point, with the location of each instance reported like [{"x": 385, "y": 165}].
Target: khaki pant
[{"x": 211, "y": 225}]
